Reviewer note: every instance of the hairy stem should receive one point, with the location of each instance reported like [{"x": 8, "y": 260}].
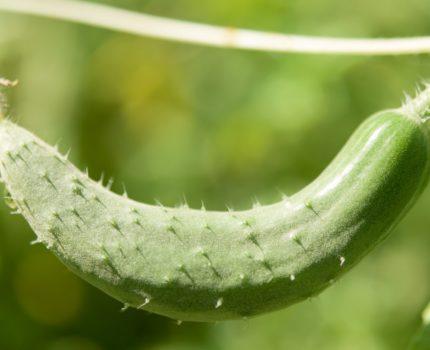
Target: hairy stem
[
  {"x": 209, "y": 35},
  {"x": 4, "y": 83},
  {"x": 419, "y": 106}
]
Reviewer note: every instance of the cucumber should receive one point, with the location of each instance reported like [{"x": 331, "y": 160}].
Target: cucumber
[{"x": 199, "y": 265}]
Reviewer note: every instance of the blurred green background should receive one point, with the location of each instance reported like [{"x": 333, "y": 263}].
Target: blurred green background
[{"x": 170, "y": 121}]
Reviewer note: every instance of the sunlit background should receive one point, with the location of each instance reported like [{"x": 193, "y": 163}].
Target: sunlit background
[{"x": 174, "y": 121}]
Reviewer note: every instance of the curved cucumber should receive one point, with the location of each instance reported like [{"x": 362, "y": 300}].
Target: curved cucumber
[{"x": 203, "y": 265}]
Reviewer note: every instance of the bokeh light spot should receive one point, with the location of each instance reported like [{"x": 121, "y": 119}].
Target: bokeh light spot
[
  {"x": 46, "y": 290},
  {"x": 73, "y": 343}
]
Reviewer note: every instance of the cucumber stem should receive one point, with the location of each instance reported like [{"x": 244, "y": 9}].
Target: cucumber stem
[
  {"x": 4, "y": 84},
  {"x": 419, "y": 106}
]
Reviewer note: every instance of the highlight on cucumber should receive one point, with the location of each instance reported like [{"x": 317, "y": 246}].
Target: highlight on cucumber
[{"x": 201, "y": 265}]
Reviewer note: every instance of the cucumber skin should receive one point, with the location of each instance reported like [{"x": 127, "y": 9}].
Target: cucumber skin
[{"x": 202, "y": 265}]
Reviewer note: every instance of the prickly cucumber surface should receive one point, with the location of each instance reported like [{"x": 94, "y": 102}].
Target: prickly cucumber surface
[{"x": 203, "y": 265}]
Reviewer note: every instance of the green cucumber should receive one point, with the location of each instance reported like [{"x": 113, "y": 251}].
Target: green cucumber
[{"x": 200, "y": 265}]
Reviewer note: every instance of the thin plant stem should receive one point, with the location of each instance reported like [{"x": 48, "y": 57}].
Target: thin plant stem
[{"x": 203, "y": 34}]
